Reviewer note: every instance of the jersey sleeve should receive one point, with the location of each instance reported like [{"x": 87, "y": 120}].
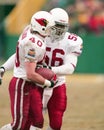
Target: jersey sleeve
[
  {"x": 30, "y": 51},
  {"x": 34, "y": 49},
  {"x": 76, "y": 46}
]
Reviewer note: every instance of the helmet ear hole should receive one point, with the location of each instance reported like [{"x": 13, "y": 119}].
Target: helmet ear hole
[{"x": 43, "y": 29}]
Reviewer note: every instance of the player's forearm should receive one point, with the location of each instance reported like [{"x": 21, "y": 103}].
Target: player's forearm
[
  {"x": 35, "y": 77},
  {"x": 68, "y": 67},
  {"x": 9, "y": 64},
  {"x": 64, "y": 69}
]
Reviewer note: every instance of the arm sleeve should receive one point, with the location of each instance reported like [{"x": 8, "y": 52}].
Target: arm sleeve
[
  {"x": 68, "y": 67},
  {"x": 9, "y": 64}
]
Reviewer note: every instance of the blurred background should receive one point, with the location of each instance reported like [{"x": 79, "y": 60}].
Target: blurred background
[{"x": 86, "y": 18}]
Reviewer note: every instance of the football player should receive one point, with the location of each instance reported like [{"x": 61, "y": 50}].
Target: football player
[
  {"x": 25, "y": 96},
  {"x": 62, "y": 51}
]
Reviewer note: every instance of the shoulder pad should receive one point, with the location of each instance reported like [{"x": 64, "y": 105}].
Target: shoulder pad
[{"x": 74, "y": 39}]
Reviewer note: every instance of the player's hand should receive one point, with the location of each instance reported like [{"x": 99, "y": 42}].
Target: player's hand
[
  {"x": 2, "y": 70},
  {"x": 43, "y": 65},
  {"x": 53, "y": 82}
]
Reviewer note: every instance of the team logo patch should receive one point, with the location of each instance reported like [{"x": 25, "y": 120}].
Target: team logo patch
[{"x": 31, "y": 53}]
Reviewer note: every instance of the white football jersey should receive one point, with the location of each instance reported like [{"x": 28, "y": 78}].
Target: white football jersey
[
  {"x": 61, "y": 54},
  {"x": 29, "y": 48}
]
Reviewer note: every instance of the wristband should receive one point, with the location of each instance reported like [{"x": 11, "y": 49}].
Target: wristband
[
  {"x": 47, "y": 83},
  {"x": 3, "y": 68}
]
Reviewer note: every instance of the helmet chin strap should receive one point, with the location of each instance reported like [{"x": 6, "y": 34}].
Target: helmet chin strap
[
  {"x": 42, "y": 37},
  {"x": 37, "y": 33}
]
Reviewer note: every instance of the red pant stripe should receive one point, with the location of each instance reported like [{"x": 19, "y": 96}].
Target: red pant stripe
[
  {"x": 18, "y": 104},
  {"x": 21, "y": 105}
]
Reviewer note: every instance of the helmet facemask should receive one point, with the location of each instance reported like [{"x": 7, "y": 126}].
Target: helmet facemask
[
  {"x": 59, "y": 30},
  {"x": 61, "y": 23}
]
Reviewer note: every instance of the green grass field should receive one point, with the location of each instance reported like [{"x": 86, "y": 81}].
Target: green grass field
[{"x": 85, "y": 109}]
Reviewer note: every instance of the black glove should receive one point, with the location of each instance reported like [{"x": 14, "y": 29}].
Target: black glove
[
  {"x": 2, "y": 70},
  {"x": 53, "y": 82},
  {"x": 46, "y": 66},
  {"x": 43, "y": 65}
]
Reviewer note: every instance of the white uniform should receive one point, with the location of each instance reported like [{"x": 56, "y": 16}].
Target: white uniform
[
  {"x": 30, "y": 47},
  {"x": 25, "y": 97},
  {"x": 62, "y": 55}
]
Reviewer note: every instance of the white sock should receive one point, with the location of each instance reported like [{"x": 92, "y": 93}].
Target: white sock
[
  {"x": 34, "y": 128},
  {"x": 6, "y": 127},
  {"x": 49, "y": 128}
]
